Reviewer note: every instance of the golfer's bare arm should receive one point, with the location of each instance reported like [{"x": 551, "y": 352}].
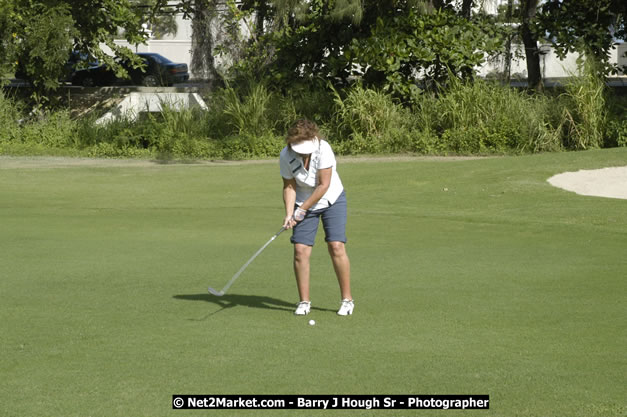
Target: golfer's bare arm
[
  {"x": 289, "y": 195},
  {"x": 289, "y": 199},
  {"x": 324, "y": 181}
]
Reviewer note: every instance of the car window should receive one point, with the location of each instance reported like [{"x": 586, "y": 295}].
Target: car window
[{"x": 159, "y": 58}]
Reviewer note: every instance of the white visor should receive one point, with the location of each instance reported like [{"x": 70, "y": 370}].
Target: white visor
[{"x": 305, "y": 147}]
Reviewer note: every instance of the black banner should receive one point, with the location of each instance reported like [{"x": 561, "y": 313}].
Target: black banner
[{"x": 331, "y": 402}]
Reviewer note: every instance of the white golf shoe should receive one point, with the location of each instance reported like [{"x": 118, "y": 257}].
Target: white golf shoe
[
  {"x": 346, "y": 308},
  {"x": 303, "y": 308}
]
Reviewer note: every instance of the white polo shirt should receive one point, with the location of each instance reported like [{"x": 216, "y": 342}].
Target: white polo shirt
[{"x": 292, "y": 166}]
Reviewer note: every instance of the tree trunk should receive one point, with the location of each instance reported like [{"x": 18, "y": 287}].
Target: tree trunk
[
  {"x": 203, "y": 63},
  {"x": 530, "y": 40},
  {"x": 508, "y": 46},
  {"x": 438, "y": 4},
  {"x": 260, "y": 18},
  {"x": 467, "y": 8}
]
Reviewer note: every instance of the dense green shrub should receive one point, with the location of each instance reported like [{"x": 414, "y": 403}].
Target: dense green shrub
[
  {"x": 51, "y": 130},
  {"x": 462, "y": 117},
  {"x": 245, "y": 147},
  {"x": 617, "y": 132},
  {"x": 317, "y": 104},
  {"x": 110, "y": 150},
  {"x": 617, "y": 121}
]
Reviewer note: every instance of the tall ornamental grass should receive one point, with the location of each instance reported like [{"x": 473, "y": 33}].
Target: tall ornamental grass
[
  {"x": 9, "y": 115},
  {"x": 585, "y": 112},
  {"x": 370, "y": 121},
  {"x": 471, "y": 117}
]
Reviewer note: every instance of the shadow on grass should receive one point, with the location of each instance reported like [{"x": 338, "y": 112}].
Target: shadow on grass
[{"x": 235, "y": 300}]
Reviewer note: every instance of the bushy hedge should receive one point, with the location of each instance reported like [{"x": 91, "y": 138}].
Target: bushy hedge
[{"x": 474, "y": 117}]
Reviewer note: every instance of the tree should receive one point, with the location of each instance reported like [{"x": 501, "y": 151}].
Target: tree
[
  {"x": 44, "y": 33},
  {"x": 467, "y": 6},
  {"x": 528, "y": 9},
  {"x": 42, "y": 44},
  {"x": 433, "y": 46},
  {"x": 392, "y": 41},
  {"x": 217, "y": 30},
  {"x": 7, "y": 35},
  {"x": 589, "y": 27},
  {"x": 509, "y": 13},
  {"x": 203, "y": 42},
  {"x": 101, "y": 22},
  {"x": 159, "y": 16},
  {"x": 204, "y": 16},
  {"x": 519, "y": 18}
]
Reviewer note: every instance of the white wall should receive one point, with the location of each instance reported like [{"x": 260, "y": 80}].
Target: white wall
[
  {"x": 184, "y": 29},
  {"x": 619, "y": 56},
  {"x": 550, "y": 65}
]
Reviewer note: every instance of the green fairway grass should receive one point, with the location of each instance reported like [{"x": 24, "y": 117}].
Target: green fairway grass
[{"x": 469, "y": 277}]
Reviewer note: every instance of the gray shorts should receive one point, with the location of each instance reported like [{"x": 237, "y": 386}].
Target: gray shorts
[{"x": 333, "y": 222}]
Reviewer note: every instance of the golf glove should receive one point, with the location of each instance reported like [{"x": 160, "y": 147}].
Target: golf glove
[{"x": 299, "y": 214}]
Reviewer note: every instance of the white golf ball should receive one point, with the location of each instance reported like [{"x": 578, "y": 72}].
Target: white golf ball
[{"x": 312, "y": 322}]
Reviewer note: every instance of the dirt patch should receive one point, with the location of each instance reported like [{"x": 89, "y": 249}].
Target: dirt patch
[
  {"x": 409, "y": 158},
  {"x": 35, "y": 162},
  {"x": 38, "y": 162}
]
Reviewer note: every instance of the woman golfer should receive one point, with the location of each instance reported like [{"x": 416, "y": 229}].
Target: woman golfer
[{"x": 312, "y": 190}]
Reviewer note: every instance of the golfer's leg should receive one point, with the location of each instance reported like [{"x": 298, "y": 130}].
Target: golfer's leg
[
  {"x": 302, "y": 253},
  {"x": 342, "y": 267}
]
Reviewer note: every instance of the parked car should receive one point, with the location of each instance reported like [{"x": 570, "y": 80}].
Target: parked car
[
  {"x": 157, "y": 71},
  {"x": 76, "y": 61},
  {"x": 95, "y": 74}
]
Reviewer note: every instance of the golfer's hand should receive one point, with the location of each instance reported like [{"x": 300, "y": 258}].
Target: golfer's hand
[
  {"x": 289, "y": 222},
  {"x": 299, "y": 214}
]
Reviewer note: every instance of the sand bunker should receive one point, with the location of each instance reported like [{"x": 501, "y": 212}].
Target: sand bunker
[{"x": 605, "y": 182}]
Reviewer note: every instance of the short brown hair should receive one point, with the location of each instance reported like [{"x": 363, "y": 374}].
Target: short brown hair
[{"x": 301, "y": 130}]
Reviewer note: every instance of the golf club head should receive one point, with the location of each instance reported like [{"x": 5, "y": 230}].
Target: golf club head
[{"x": 216, "y": 293}]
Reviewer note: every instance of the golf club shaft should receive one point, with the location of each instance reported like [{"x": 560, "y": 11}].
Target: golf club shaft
[{"x": 238, "y": 273}]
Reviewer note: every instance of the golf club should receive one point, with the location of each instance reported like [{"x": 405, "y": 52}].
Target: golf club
[{"x": 238, "y": 273}]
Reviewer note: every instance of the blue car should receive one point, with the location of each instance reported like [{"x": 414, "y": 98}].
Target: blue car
[{"x": 157, "y": 71}]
